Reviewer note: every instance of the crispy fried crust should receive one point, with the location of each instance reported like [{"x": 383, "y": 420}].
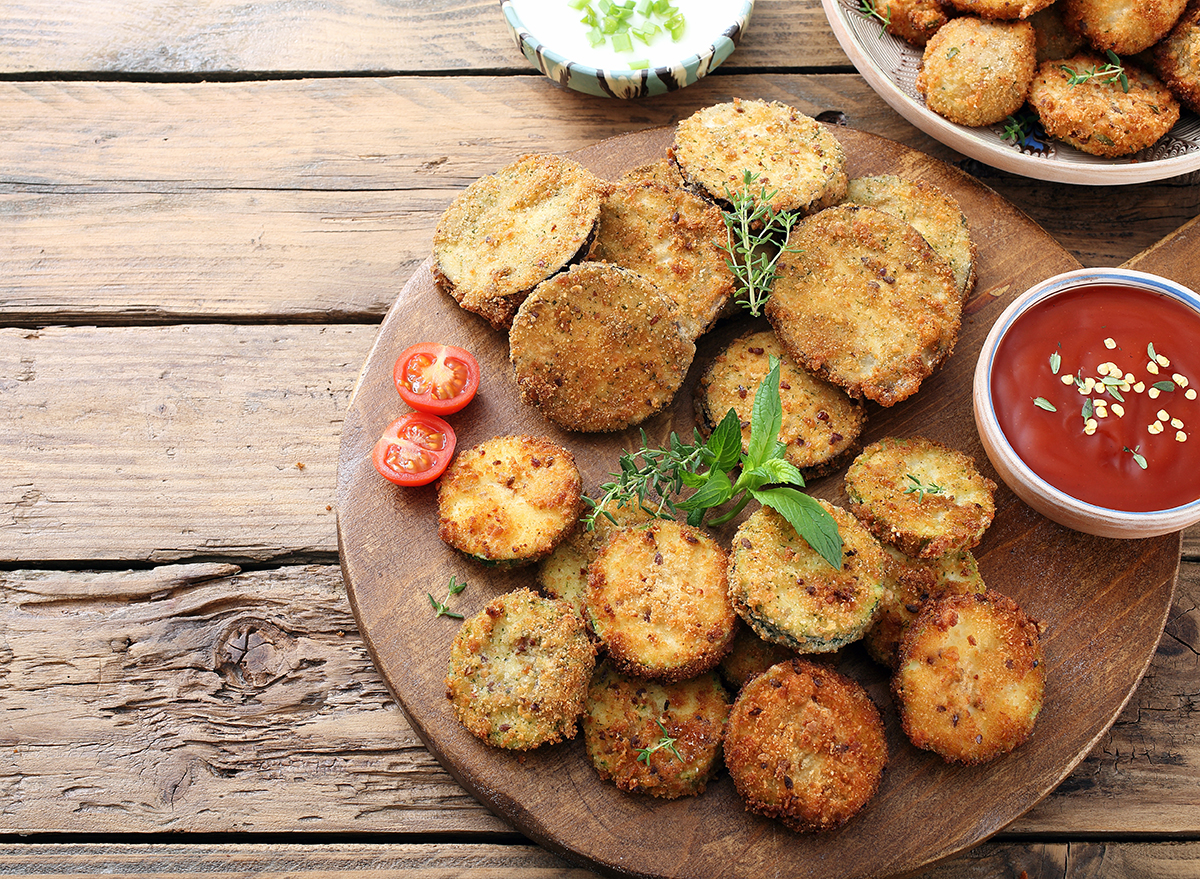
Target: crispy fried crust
[
  {"x": 511, "y": 499},
  {"x": 662, "y": 171},
  {"x": 999, "y": 9},
  {"x": 909, "y": 583},
  {"x": 623, "y": 737},
  {"x": 749, "y": 657},
  {"x": 931, "y": 211},
  {"x": 519, "y": 671},
  {"x": 598, "y": 348},
  {"x": 1124, "y": 26},
  {"x": 977, "y": 72},
  {"x": 863, "y": 300},
  {"x": 1099, "y": 117},
  {"x": 674, "y": 239},
  {"x": 923, "y": 498},
  {"x": 1054, "y": 39},
  {"x": 805, "y": 745},
  {"x": 1177, "y": 58},
  {"x": 791, "y": 596},
  {"x": 794, "y": 155},
  {"x": 510, "y": 230},
  {"x": 971, "y": 680},
  {"x": 912, "y": 20},
  {"x": 658, "y": 599},
  {"x": 821, "y": 423}
]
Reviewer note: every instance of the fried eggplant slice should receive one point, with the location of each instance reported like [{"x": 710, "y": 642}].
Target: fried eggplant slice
[{"x": 519, "y": 671}]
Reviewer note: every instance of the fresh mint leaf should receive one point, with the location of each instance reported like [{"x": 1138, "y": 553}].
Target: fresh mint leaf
[
  {"x": 808, "y": 517},
  {"x": 766, "y": 418},
  {"x": 725, "y": 442}
]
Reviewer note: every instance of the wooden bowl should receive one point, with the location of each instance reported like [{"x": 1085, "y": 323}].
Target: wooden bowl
[{"x": 1056, "y": 481}]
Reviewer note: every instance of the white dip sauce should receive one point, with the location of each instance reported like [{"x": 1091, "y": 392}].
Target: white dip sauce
[{"x": 559, "y": 28}]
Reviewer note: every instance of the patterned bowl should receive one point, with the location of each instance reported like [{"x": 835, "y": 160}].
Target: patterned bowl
[{"x": 710, "y": 38}]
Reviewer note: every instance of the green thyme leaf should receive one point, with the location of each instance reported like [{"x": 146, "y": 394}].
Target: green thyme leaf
[
  {"x": 1043, "y": 403},
  {"x": 756, "y": 238}
]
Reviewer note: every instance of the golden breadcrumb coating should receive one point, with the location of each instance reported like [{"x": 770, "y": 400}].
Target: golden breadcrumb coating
[
  {"x": 510, "y": 500},
  {"x": 977, "y": 72},
  {"x": 925, "y": 499},
  {"x": 1177, "y": 58},
  {"x": 1124, "y": 26},
  {"x": 912, "y": 20},
  {"x": 510, "y": 230},
  {"x": 970, "y": 680},
  {"x": 999, "y": 9},
  {"x": 519, "y": 671},
  {"x": 650, "y": 737},
  {"x": 805, "y": 745}
]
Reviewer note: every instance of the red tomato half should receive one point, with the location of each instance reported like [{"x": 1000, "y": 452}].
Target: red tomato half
[
  {"x": 415, "y": 449},
  {"x": 436, "y": 378}
]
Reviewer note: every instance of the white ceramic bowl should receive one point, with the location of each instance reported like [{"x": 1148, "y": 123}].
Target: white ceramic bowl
[
  {"x": 1020, "y": 475},
  {"x": 712, "y": 32}
]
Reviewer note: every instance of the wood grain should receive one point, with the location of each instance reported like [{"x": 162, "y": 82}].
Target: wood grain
[
  {"x": 227, "y": 36},
  {"x": 316, "y": 199},
  {"x": 1116, "y": 586}
]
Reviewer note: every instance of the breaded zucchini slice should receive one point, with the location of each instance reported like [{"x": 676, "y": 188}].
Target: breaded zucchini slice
[
  {"x": 913, "y": 21},
  {"x": 861, "y": 299},
  {"x": 599, "y": 348},
  {"x": 658, "y": 600},
  {"x": 791, "y": 596},
  {"x": 1099, "y": 116},
  {"x": 509, "y": 500},
  {"x": 925, "y": 499},
  {"x": 662, "y": 171},
  {"x": 821, "y": 423},
  {"x": 510, "y": 230},
  {"x": 750, "y": 656},
  {"x": 1122, "y": 26},
  {"x": 564, "y": 573},
  {"x": 971, "y": 680},
  {"x": 931, "y": 211},
  {"x": 909, "y": 583},
  {"x": 674, "y": 239},
  {"x": 794, "y": 156},
  {"x": 519, "y": 671},
  {"x": 650, "y": 737},
  {"x": 805, "y": 745},
  {"x": 998, "y": 9},
  {"x": 1176, "y": 59}
]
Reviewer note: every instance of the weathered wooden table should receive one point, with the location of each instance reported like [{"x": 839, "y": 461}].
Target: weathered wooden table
[{"x": 205, "y": 211}]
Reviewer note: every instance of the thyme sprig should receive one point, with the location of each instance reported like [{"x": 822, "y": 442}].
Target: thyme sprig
[
  {"x": 920, "y": 489},
  {"x": 707, "y": 468},
  {"x": 870, "y": 9},
  {"x": 1113, "y": 71},
  {"x": 754, "y": 240},
  {"x": 664, "y": 742},
  {"x": 441, "y": 607}
]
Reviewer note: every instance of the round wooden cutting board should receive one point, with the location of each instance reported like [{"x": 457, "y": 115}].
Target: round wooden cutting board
[{"x": 1103, "y": 602}]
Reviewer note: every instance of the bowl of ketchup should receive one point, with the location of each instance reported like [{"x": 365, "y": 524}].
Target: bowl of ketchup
[{"x": 1085, "y": 398}]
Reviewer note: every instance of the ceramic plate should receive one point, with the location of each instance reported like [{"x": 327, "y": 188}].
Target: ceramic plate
[{"x": 890, "y": 65}]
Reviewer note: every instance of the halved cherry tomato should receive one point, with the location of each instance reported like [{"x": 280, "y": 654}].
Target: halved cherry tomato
[
  {"x": 415, "y": 449},
  {"x": 436, "y": 378}
]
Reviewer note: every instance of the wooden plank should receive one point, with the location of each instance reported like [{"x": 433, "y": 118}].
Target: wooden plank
[
  {"x": 194, "y": 698},
  {"x": 151, "y": 37},
  {"x": 1075, "y": 860},
  {"x": 121, "y": 202},
  {"x": 161, "y": 443}
]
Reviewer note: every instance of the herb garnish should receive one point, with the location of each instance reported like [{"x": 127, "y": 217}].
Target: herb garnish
[
  {"x": 754, "y": 232},
  {"x": 919, "y": 488},
  {"x": 1113, "y": 71},
  {"x": 442, "y": 609},
  {"x": 1043, "y": 403},
  {"x": 1137, "y": 456},
  {"x": 665, "y": 742},
  {"x": 870, "y": 9},
  {"x": 762, "y": 474}
]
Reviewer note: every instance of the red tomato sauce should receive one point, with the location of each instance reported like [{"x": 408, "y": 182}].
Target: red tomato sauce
[{"x": 1103, "y": 468}]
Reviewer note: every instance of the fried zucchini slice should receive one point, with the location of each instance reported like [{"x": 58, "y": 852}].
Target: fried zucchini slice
[
  {"x": 1098, "y": 116},
  {"x": 971, "y": 680},
  {"x": 749, "y": 657},
  {"x": 908, "y": 584},
  {"x": 931, "y": 211},
  {"x": 650, "y": 737},
  {"x": 860, "y": 298},
  {"x": 519, "y": 671},
  {"x": 674, "y": 239},
  {"x": 791, "y": 596},
  {"x": 821, "y": 423},
  {"x": 925, "y": 499},
  {"x": 793, "y": 155},
  {"x": 805, "y": 745},
  {"x": 658, "y": 600},
  {"x": 1122, "y": 26},
  {"x": 509, "y": 500},
  {"x": 914, "y": 21},
  {"x": 977, "y": 72},
  {"x": 1176, "y": 59},
  {"x": 662, "y": 171},
  {"x": 510, "y": 230},
  {"x": 599, "y": 348},
  {"x": 998, "y": 9}
]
